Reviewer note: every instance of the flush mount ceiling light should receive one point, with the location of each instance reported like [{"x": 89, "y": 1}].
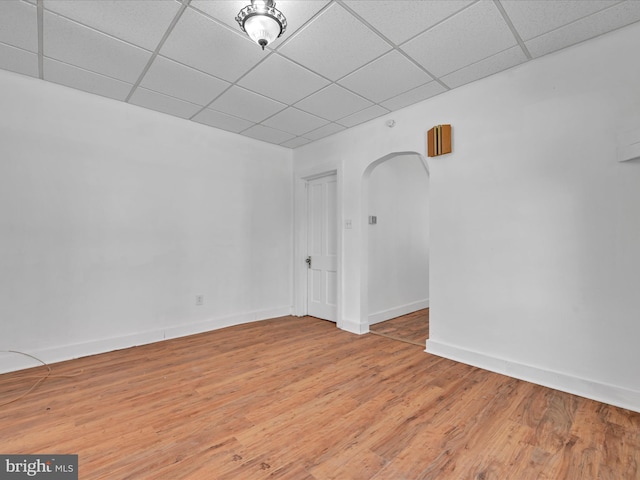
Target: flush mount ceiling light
[{"x": 262, "y": 21}]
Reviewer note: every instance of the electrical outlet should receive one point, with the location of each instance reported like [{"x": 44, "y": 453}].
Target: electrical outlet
[{"x": 199, "y": 300}]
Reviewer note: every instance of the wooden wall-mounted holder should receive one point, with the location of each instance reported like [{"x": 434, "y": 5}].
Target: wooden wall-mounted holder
[{"x": 439, "y": 140}]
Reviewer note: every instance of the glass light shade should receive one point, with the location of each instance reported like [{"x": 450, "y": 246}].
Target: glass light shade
[
  {"x": 262, "y": 29},
  {"x": 262, "y": 21}
]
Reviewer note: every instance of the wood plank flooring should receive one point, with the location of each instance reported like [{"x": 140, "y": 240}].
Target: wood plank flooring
[
  {"x": 410, "y": 328},
  {"x": 298, "y": 399}
]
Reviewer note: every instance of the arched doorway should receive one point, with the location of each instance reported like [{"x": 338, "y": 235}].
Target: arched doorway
[{"x": 395, "y": 242}]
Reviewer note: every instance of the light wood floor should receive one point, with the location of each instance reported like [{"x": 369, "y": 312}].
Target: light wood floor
[
  {"x": 410, "y": 328},
  {"x": 298, "y": 399}
]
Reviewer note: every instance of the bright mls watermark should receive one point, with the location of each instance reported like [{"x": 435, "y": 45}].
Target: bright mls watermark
[{"x": 49, "y": 467}]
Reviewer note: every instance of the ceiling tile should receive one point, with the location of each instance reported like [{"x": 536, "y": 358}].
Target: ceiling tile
[
  {"x": 222, "y": 120},
  {"x": 19, "y": 25},
  {"x": 416, "y": 95},
  {"x": 84, "y": 80},
  {"x": 163, "y": 103},
  {"x": 295, "y": 121},
  {"x": 171, "y": 78},
  {"x": 469, "y": 36},
  {"x": 282, "y": 80},
  {"x": 386, "y": 77},
  {"x": 333, "y": 102},
  {"x": 268, "y": 134},
  {"x": 245, "y": 104},
  {"x": 18, "y": 60},
  {"x": 399, "y": 20},
  {"x": 84, "y": 47},
  {"x": 533, "y": 18},
  {"x": 615, "y": 17},
  {"x": 494, "y": 64},
  {"x": 324, "y": 131},
  {"x": 296, "y": 12},
  {"x": 295, "y": 142},
  {"x": 349, "y": 45},
  {"x": 201, "y": 43},
  {"x": 141, "y": 22},
  {"x": 223, "y": 10},
  {"x": 363, "y": 116}
]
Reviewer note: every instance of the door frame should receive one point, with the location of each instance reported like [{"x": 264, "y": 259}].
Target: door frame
[
  {"x": 300, "y": 206},
  {"x": 364, "y": 224}
]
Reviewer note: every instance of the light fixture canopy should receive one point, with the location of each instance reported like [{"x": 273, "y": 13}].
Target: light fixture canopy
[{"x": 262, "y": 21}]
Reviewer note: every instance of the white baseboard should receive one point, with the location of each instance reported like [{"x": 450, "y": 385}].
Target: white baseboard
[
  {"x": 10, "y": 362},
  {"x": 398, "y": 311},
  {"x": 353, "y": 326},
  {"x": 601, "y": 392}
]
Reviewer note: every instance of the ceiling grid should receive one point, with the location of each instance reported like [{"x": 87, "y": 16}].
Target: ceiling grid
[{"x": 340, "y": 62}]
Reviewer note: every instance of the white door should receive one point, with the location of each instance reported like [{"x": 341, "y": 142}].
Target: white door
[{"x": 322, "y": 248}]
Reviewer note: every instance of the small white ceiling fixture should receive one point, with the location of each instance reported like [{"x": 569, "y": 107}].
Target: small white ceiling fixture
[{"x": 262, "y": 21}]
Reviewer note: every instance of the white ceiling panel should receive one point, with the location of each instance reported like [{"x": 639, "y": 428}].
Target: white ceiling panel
[
  {"x": 604, "y": 21},
  {"x": 386, "y": 77},
  {"x": 85, "y": 80},
  {"x": 333, "y": 102},
  {"x": 324, "y": 131},
  {"x": 267, "y": 79},
  {"x": 84, "y": 47},
  {"x": 534, "y": 17},
  {"x": 295, "y": 121},
  {"x": 296, "y": 142},
  {"x": 18, "y": 60},
  {"x": 19, "y": 25},
  {"x": 339, "y": 61},
  {"x": 268, "y": 134},
  {"x": 223, "y": 10},
  {"x": 203, "y": 44},
  {"x": 171, "y": 78},
  {"x": 242, "y": 103},
  {"x": 399, "y": 20},
  {"x": 362, "y": 116},
  {"x": 222, "y": 120},
  {"x": 477, "y": 32},
  {"x": 349, "y": 45},
  {"x": 297, "y": 12},
  {"x": 416, "y": 95},
  {"x": 163, "y": 103},
  {"x": 494, "y": 64},
  {"x": 142, "y": 22}
]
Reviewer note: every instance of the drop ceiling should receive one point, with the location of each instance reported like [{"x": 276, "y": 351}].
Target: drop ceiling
[{"x": 340, "y": 62}]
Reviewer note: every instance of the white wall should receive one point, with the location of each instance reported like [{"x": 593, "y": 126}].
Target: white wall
[
  {"x": 399, "y": 242},
  {"x": 113, "y": 218},
  {"x": 534, "y": 234}
]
